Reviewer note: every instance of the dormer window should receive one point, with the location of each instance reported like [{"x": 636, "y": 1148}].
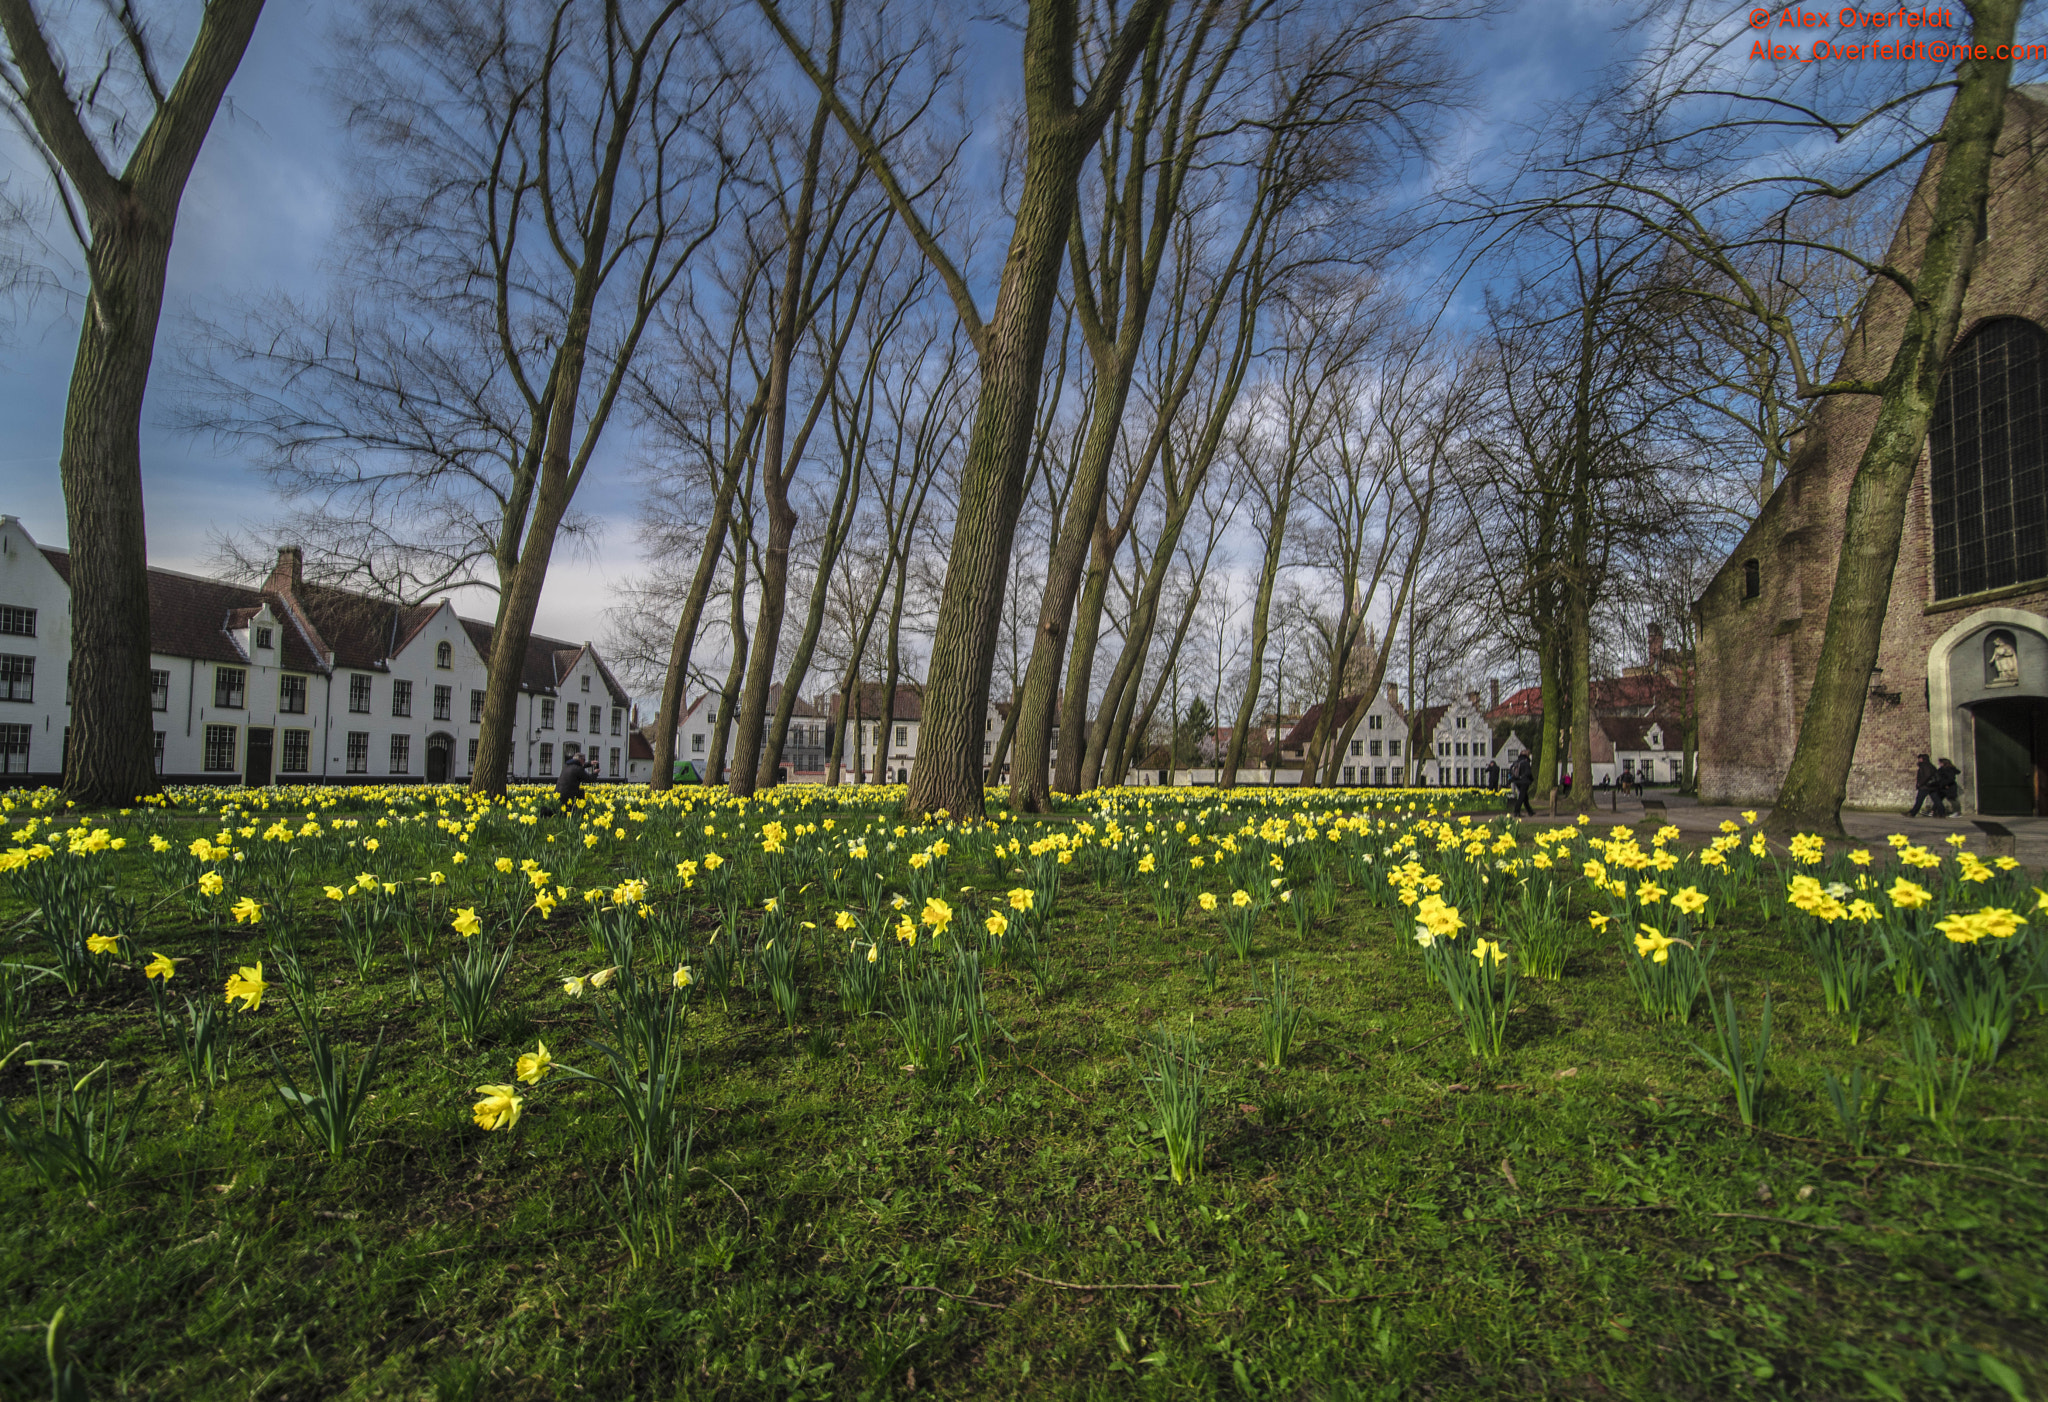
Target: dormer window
[
  {"x": 263, "y": 638},
  {"x": 444, "y": 656}
]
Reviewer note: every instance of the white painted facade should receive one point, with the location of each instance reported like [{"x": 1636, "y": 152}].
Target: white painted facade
[
  {"x": 270, "y": 704},
  {"x": 1458, "y": 751}
]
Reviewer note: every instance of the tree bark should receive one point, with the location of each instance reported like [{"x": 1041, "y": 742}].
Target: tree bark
[{"x": 1818, "y": 778}]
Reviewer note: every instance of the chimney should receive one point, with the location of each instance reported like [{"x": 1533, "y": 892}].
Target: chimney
[
  {"x": 1494, "y": 687},
  {"x": 289, "y": 572},
  {"x": 1656, "y": 646},
  {"x": 1394, "y": 695}
]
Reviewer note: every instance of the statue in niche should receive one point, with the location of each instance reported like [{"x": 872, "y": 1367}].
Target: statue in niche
[{"x": 2001, "y": 660}]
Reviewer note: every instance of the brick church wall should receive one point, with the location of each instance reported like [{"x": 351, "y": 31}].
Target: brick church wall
[{"x": 1757, "y": 656}]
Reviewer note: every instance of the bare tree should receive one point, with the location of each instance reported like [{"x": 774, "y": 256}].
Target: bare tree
[
  {"x": 1711, "y": 170},
  {"x": 1060, "y": 127},
  {"x": 121, "y": 209}
]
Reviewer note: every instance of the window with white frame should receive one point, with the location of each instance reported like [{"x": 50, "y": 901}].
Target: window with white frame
[
  {"x": 229, "y": 684},
  {"x": 219, "y": 754},
  {"x": 547, "y": 761},
  {"x": 17, "y": 622},
  {"x": 613, "y": 757},
  {"x": 547, "y": 716},
  {"x": 401, "y": 698},
  {"x": 156, "y": 749},
  {"x": 444, "y": 703},
  {"x": 263, "y": 639},
  {"x": 696, "y": 744},
  {"x": 17, "y": 678},
  {"x": 359, "y": 694},
  {"x": 444, "y": 656},
  {"x": 14, "y": 741},
  {"x": 297, "y": 753},
  {"x": 586, "y": 681},
  {"x": 596, "y": 720},
  {"x": 401, "y": 754},
  {"x": 574, "y": 722},
  {"x": 902, "y": 734},
  {"x": 159, "y": 690},
  {"x": 1373, "y": 722},
  {"x": 291, "y": 694},
  {"x": 476, "y": 707},
  {"x": 359, "y": 752},
  {"x": 618, "y": 720}
]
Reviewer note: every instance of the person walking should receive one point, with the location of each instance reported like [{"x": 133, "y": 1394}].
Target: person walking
[
  {"x": 1924, "y": 779},
  {"x": 1948, "y": 788},
  {"x": 1522, "y": 778}
]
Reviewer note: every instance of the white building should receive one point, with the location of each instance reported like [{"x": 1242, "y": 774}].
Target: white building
[
  {"x": 1373, "y": 757},
  {"x": 296, "y": 682},
  {"x": 1459, "y": 747}
]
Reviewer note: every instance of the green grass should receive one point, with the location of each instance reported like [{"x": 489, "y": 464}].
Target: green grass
[{"x": 1385, "y": 1217}]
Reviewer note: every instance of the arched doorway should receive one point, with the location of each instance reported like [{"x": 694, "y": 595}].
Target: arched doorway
[{"x": 440, "y": 750}]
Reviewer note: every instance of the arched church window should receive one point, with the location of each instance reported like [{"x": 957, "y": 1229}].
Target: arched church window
[{"x": 1989, "y": 480}]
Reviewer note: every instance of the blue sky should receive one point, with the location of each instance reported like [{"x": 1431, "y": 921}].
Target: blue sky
[{"x": 262, "y": 212}]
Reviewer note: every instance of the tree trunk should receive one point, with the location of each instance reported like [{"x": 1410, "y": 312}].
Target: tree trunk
[
  {"x": 108, "y": 759},
  {"x": 1818, "y": 778},
  {"x": 728, "y": 694},
  {"x": 1550, "y": 688},
  {"x": 1080, "y": 671},
  {"x": 1579, "y": 633},
  {"x": 685, "y": 641},
  {"x": 1255, "y": 670}
]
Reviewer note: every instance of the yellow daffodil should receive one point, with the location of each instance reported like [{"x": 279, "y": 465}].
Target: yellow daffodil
[
  {"x": 246, "y": 987},
  {"x": 162, "y": 966},
  {"x": 1908, "y": 895},
  {"x": 103, "y": 944},
  {"x": 1240, "y": 899},
  {"x": 247, "y": 910},
  {"x": 1021, "y": 898},
  {"x": 997, "y": 923},
  {"x": 681, "y": 977},
  {"x": 1208, "y": 901},
  {"x": 534, "y": 1064},
  {"x": 466, "y": 921},
  {"x": 1487, "y": 951},
  {"x": 210, "y": 883},
  {"x": 499, "y": 1108},
  {"x": 1689, "y": 901},
  {"x": 1653, "y": 944}
]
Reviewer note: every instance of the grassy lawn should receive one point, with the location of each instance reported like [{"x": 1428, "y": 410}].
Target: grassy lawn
[{"x": 1383, "y": 1215}]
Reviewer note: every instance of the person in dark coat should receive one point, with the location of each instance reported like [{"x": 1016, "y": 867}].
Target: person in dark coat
[
  {"x": 569, "y": 788},
  {"x": 1522, "y": 778},
  {"x": 1948, "y": 788},
  {"x": 1924, "y": 787}
]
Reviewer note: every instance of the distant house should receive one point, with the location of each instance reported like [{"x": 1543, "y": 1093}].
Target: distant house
[
  {"x": 803, "y": 746},
  {"x": 297, "y": 682},
  {"x": 1375, "y": 756},
  {"x": 1650, "y": 748},
  {"x": 1459, "y": 747}
]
